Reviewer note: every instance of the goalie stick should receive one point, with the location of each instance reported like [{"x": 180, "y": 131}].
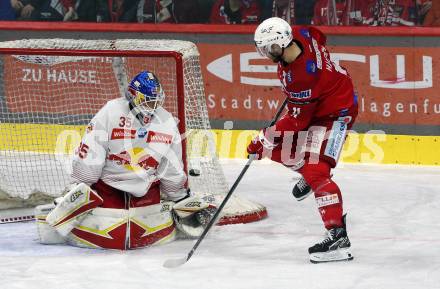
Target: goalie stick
[{"x": 172, "y": 263}]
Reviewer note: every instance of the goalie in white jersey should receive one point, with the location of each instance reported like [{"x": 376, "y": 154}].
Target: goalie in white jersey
[{"x": 130, "y": 156}]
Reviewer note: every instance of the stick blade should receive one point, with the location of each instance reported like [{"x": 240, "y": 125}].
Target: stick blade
[{"x": 173, "y": 263}]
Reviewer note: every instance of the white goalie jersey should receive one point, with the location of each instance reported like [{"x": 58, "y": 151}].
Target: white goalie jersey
[{"x": 129, "y": 155}]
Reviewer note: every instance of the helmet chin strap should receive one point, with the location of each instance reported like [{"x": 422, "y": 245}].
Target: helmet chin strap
[
  {"x": 279, "y": 57},
  {"x": 138, "y": 113}
]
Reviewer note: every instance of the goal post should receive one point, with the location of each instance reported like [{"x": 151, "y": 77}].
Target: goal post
[{"x": 51, "y": 88}]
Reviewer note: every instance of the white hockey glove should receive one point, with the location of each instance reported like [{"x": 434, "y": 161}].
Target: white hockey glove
[{"x": 192, "y": 214}]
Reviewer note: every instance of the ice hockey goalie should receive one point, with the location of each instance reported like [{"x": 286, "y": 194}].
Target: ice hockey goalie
[{"x": 128, "y": 185}]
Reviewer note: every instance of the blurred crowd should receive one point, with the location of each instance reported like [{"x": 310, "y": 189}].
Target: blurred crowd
[{"x": 315, "y": 12}]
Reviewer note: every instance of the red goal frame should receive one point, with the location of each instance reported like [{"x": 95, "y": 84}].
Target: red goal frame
[
  {"x": 246, "y": 217},
  {"x": 121, "y": 53}
]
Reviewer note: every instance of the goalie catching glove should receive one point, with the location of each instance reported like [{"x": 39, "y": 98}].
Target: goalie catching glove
[{"x": 192, "y": 214}]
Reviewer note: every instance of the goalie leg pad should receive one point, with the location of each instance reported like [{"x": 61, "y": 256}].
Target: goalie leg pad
[
  {"x": 125, "y": 229},
  {"x": 46, "y": 233},
  {"x": 101, "y": 228},
  {"x": 73, "y": 207},
  {"x": 152, "y": 225}
]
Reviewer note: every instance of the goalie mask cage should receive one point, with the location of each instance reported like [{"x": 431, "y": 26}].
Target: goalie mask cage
[{"x": 51, "y": 88}]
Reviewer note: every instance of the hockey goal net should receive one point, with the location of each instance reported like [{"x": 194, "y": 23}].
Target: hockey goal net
[{"x": 51, "y": 88}]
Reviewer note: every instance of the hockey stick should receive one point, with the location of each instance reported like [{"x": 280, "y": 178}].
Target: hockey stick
[{"x": 172, "y": 263}]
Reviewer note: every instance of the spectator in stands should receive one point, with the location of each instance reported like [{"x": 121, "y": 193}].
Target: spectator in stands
[
  {"x": 92, "y": 11},
  {"x": 58, "y": 10},
  {"x": 28, "y": 9},
  {"x": 304, "y": 11},
  {"x": 391, "y": 13},
  {"x": 235, "y": 12},
  {"x": 120, "y": 11},
  {"x": 167, "y": 11},
  {"x": 358, "y": 11},
  {"x": 204, "y": 8},
  {"x": 266, "y": 9},
  {"x": 284, "y": 9},
  {"x": 423, "y": 7},
  {"x": 8, "y": 9},
  {"x": 367, "y": 12},
  {"x": 187, "y": 11},
  {"x": 299, "y": 12},
  {"x": 338, "y": 12},
  {"x": 54, "y": 10},
  {"x": 432, "y": 17}
]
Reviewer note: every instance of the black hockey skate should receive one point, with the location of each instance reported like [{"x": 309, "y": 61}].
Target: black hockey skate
[
  {"x": 301, "y": 190},
  {"x": 336, "y": 247}
]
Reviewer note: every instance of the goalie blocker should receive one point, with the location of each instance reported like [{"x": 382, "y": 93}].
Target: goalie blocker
[{"x": 117, "y": 220}]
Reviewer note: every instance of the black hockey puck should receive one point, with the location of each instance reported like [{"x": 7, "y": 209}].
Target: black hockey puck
[{"x": 194, "y": 172}]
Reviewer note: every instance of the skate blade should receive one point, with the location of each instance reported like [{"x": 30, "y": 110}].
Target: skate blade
[{"x": 332, "y": 256}]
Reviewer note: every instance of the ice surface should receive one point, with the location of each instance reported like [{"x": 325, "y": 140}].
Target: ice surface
[{"x": 393, "y": 223}]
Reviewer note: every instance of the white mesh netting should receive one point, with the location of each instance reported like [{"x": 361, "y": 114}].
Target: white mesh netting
[{"x": 46, "y": 101}]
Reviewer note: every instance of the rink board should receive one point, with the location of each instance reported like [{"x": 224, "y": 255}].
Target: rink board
[{"x": 359, "y": 148}]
